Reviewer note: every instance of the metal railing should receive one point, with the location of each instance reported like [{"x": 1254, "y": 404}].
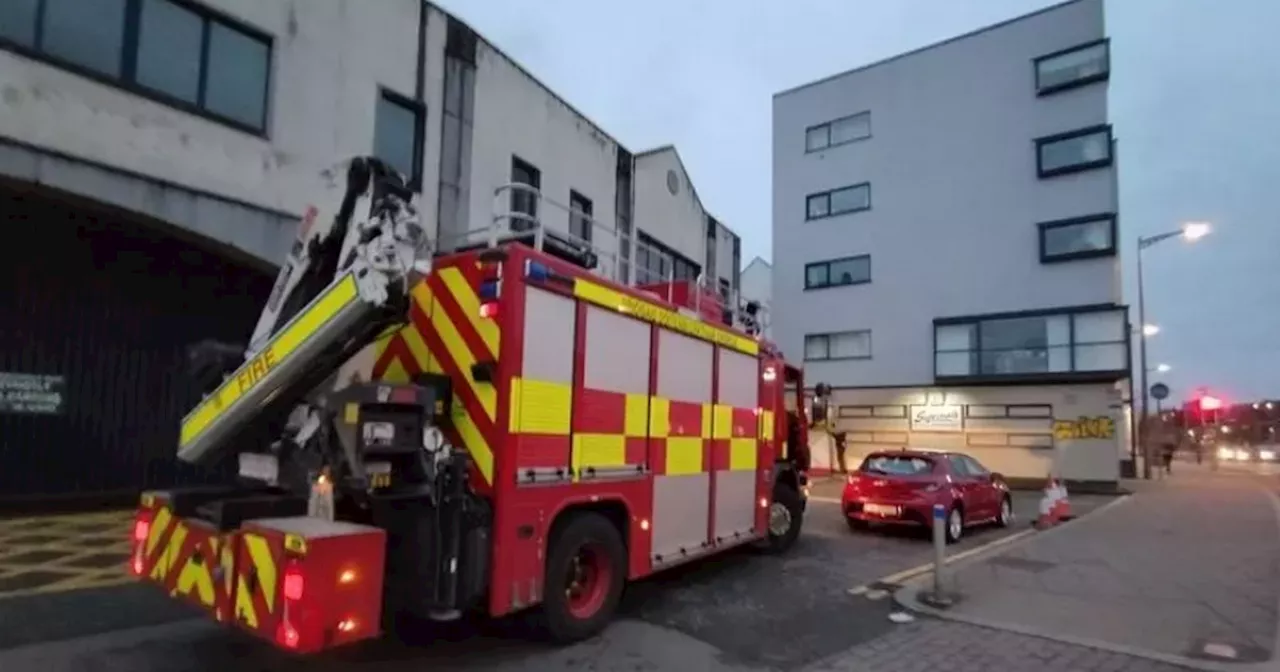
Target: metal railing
[{"x": 522, "y": 212}]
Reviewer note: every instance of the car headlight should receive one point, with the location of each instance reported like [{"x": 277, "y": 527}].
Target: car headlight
[
  {"x": 1242, "y": 455},
  {"x": 1226, "y": 454},
  {"x": 1266, "y": 454}
]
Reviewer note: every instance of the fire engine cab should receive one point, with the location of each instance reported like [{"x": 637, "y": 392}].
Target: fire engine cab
[{"x": 504, "y": 426}]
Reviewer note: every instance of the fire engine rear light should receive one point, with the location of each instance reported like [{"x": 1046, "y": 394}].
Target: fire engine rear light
[
  {"x": 294, "y": 583},
  {"x": 764, "y": 502},
  {"x": 347, "y": 576},
  {"x": 287, "y": 635},
  {"x": 490, "y": 289},
  {"x": 489, "y": 310},
  {"x": 346, "y": 625},
  {"x": 141, "y": 528}
]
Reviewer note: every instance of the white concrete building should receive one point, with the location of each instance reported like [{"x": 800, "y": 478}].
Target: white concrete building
[
  {"x": 757, "y": 285},
  {"x": 183, "y": 139},
  {"x": 945, "y": 244}
]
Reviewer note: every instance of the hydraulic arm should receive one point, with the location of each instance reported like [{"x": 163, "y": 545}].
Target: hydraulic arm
[{"x": 341, "y": 287}]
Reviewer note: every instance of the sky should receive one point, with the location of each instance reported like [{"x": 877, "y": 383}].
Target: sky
[{"x": 1194, "y": 100}]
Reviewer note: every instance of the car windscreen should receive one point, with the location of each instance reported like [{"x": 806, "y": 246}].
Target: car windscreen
[{"x": 897, "y": 465}]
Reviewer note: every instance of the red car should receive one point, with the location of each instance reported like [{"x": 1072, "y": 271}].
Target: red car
[{"x": 901, "y": 487}]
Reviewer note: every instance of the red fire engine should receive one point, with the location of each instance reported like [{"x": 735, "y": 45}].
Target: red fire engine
[{"x": 494, "y": 429}]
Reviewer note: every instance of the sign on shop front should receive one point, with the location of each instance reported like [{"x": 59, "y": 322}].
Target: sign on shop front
[
  {"x": 31, "y": 393},
  {"x": 937, "y": 418}
]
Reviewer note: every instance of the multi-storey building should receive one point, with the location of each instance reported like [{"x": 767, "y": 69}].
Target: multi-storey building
[
  {"x": 155, "y": 157},
  {"x": 944, "y": 247}
]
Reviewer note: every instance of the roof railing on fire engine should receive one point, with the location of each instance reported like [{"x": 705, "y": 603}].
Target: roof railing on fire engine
[{"x": 524, "y": 213}]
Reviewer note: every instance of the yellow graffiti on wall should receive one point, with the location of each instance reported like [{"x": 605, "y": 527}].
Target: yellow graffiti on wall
[{"x": 1101, "y": 427}]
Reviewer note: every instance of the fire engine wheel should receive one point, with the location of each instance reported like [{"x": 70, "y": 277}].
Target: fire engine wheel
[
  {"x": 786, "y": 516},
  {"x": 586, "y": 570}
]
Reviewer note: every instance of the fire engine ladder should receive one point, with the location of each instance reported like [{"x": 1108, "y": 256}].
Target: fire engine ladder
[{"x": 368, "y": 296}]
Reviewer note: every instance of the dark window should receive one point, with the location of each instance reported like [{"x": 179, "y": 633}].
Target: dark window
[
  {"x": 975, "y": 467},
  {"x": 397, "y": 134},
  {"x": 838, "y": 272},
  {"x": 1077, "y": 66},
  {"x": 236, "y": 82},
  {"x": 524, "y": 201},
  {"x": 18, "y": 21},
  {"x": 1075, "y": 151},
  {"x": 656, "y": 262},
  {"x": 169, "y": 42},
  {"x": 838, "y": 201},
  {"x": 896, "y": 465},
  {"x": 87, "y": 34},
  {"x": 838, "y": 132},
  {"x": 1041, "y": 344},
  {"x": 838, "y": 345},
  {"x": 1078, "y": 238},
  {"x": 580, "y": 216},
  {"x": 179, "y": 53}
]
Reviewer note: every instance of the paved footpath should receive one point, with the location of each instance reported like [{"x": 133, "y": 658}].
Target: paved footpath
[{"x": 1186, "y": 571}]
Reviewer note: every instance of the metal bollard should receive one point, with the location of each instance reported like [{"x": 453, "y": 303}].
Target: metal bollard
[{"x": 938, "y": 596}]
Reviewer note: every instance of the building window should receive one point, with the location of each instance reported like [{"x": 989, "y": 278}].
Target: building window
[
  {"x": 1075, "y": 151},
  {"x": 838, "y": 132},
  {"x": 580, "y": 216},
  {"x": 178, "y": 53},
  {"x": 838, "y": 272},
  {"x": 1069, "y": 68},
  {"x": 838, "y": 201},
  {"x": 87, "y": 34},
  {"x": 838, "y": 345},
  {"x": 1088, "y": 342},
  {"x": 397, "y": 134},
  {"x": 524, "y": 203},
  {"x": 657, "y": 263},
  {"x": 1078, "y": 238}
]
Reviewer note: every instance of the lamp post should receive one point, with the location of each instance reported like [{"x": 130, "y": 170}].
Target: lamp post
[{"x": 1191, "y": 232}]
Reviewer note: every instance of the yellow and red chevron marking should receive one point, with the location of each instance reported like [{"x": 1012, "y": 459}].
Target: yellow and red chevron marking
[
  {"x": 181, "y": 555},
  {"x": 447, "y": 334},
  {"x": 191, "y": 560}
]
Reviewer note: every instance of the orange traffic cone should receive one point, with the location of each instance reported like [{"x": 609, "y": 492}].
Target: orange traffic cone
[
  {"x": 1048, "y": 506},
  {"x": 1063, "y": 504}
]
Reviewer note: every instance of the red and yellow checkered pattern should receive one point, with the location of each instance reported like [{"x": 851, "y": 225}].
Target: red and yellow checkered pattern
[
  {"x": 555, "y": 427},
  {"x": 734, "y": 441}
]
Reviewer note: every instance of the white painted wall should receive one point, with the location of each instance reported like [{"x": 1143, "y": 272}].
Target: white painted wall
[
  {"x": 678, "y": 219},
  {"x": 324, "y": 79},
  {"x": 329, "y": 59},
  {"x": 873, "y": 421},
  {"x": 515, "y": 115},
  {"x": 954, "y": 192},
  {"x": 757, "y": 285}
]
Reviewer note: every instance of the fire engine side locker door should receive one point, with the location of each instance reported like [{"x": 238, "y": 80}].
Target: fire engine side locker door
[
  {"x": 735, "y": 444},
  {"x": 680, "y": 427}
]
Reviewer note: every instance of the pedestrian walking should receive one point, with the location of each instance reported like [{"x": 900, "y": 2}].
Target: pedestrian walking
[
  {"x": 840, "y": 438},
  {"x": 1167, "y": 450}
]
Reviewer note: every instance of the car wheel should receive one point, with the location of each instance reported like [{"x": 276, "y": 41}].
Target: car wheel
[
  {"x": 1006, "y": 512},
  {"x": 955, "y": 524},
  {"x": 857, "y": 525}
]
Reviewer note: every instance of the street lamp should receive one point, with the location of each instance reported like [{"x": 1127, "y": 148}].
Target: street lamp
[
  {"x": 1163, "y": 368},
  {"x": 1190, "y": 232}
]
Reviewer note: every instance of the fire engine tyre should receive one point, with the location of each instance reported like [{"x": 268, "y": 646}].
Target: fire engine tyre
[
  {"x": 786, "y": 517},
  {"x": 586, "y": 570}
]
